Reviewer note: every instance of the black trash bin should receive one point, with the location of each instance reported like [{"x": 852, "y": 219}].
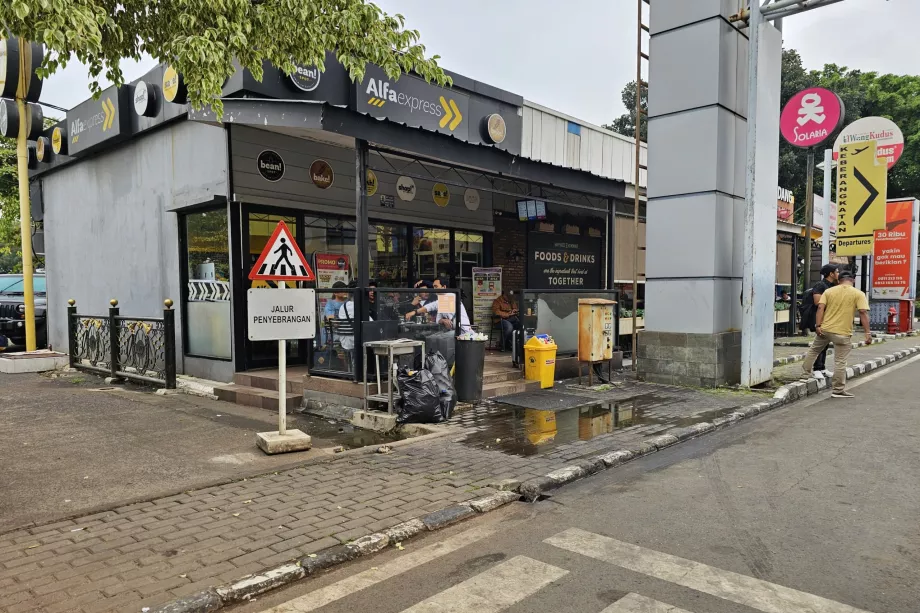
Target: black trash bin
[{"x": 471, "y": 359}]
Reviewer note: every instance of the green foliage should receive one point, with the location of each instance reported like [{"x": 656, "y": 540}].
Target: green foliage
[
  {"x": 203, "y": 38},
  {"x": 626, "y": 124}
]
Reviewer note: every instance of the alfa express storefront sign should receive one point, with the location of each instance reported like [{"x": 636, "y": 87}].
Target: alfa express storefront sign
[{"x": 560, "y": 262}]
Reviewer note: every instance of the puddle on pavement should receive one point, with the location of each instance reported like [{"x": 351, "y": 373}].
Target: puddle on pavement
[{"x": 527, "y": 432}]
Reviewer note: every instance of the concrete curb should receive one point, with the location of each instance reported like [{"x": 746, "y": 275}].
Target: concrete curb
[
  {"x": 798, "y": 357},
  {"x": 242, "y": 590},
  {"x": 250, "y": 586}
]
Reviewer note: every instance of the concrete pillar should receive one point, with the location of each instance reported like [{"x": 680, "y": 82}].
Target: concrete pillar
[{"x": 697, "y": 136}]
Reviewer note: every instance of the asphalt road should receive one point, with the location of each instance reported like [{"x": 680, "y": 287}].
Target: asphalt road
[{"x": 810, "y": 509}]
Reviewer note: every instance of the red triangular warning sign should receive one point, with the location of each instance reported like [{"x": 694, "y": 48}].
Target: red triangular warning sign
[{"x": 281, "y": 260}]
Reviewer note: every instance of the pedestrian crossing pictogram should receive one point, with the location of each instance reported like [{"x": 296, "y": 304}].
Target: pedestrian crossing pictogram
[{"x": 281, "y": 260}]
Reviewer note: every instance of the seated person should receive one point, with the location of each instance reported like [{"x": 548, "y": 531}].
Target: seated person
[
  {"x": 502, "y": 307},
  {"x": 445, "y": 319},
  {"x": 331, "y": 309}
]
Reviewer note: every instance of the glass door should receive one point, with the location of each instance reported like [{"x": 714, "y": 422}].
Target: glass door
[
  {"x": 258, "y": 225},
  {"x": 468, "y": 253}
]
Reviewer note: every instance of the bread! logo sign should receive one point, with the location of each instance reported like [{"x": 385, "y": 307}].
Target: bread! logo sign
[{"x": 811, "y": 116}]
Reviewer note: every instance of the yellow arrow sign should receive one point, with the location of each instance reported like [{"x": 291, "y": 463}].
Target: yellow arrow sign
[
  {"x": 862, "y": 189},
  {"x": 450, "y": 112},
  {"x": 108, "y": 110}
]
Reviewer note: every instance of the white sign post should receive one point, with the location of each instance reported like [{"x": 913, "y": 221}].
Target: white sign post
[{"x": 281, "y": 315}]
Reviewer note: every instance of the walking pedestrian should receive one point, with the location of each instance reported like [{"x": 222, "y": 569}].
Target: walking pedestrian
[
  {"x": 811, "y": 299},
  {"x": 834, "y": 324}
]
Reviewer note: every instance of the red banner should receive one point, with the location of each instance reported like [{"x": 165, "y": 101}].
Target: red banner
[{"x": 892, "y": 253}]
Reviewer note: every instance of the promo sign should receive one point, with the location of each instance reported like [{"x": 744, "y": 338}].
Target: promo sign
[
  {"x": 280, "y": 314},
  {"x": 889, "y": 140},
  {"x": 414, "y": 102},
  {"x": 559, "y": 262},
  {"x": 893, "y": 262},
  {"x": 785, "y": 204},
  {"x": 862, "y": 185},
  {"x": 811, "y": 116}
]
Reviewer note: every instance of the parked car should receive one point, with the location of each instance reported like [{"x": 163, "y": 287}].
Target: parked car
[{"x": 13, "y": 311}]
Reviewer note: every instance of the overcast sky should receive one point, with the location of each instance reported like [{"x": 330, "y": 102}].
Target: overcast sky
[{"x": 576, "y": 56}]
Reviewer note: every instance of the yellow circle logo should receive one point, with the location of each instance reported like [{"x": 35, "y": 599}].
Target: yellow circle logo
[
  {"x": 57, "y": 140},
  {"x": 371, "y": 182},
  {"x": 170, "y": 84},
  {"x": 440, "y": 194}
]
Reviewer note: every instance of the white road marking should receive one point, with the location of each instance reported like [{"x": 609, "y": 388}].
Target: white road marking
[
  {"x": 363, "y": 580},
  {"x": 494, "y": 590},
  {"x": 740, "y": 589},
  {"x": 634, "y": 603}
]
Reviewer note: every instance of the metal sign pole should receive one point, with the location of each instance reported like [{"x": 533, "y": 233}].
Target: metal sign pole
[
  {"x": 282, "y": 381},
  {"x": 826, "y": 231},
  {"x": 809, "y": 214}
]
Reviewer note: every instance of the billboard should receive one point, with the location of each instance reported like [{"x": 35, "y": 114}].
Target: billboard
[{"x": 894, "y": 254}]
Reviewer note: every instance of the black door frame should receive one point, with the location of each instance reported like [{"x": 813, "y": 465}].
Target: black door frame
[{"x": 245, "y": 360}]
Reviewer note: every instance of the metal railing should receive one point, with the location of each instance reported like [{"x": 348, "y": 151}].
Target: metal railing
[
  {"x": 384, "y": 318},
  {"x": 141, "y": 349}
]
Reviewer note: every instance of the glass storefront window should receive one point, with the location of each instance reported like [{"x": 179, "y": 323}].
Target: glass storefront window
[
  {"x": 207, "y": 308},
  {"x": 432, "y": 253},
  {"x": 468, "y": 254},
  {"x": 389, "y": 255}
]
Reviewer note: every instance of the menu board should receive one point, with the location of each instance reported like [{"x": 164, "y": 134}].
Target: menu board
[{"x": 487, "y": 286}]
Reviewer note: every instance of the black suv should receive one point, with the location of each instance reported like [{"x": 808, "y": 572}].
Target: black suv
[{"x": 13, "y": 311}]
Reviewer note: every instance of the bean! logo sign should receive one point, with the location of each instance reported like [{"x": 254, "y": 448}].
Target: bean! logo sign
[{"x": 811, "y": 116}]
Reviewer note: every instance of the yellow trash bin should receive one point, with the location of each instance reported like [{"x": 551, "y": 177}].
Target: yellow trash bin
[{"x": 540, "y": 361}]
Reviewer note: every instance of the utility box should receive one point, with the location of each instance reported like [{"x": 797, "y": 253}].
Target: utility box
[{"x": 595, "y": 329}]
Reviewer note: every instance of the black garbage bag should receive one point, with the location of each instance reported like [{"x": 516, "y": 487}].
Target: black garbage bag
[
  {"x": 419, "y": 397},
  {"x": 436, "y": 363}
]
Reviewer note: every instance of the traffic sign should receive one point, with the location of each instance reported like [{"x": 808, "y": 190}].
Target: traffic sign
[
  {"x": 862, "y": 187},
  {"x": 281, "y": 314},
  {"x": 281, "y": 260}
]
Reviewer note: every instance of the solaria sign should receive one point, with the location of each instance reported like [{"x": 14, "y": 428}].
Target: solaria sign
[{"x": 811, "y": 116}]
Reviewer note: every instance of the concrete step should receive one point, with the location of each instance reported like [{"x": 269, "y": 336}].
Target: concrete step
[
  {"x": 268, "y": 380},
  {"x": 500, "y": 375},
  {"x": 256, "y": 397},
  {"x": 494, "y": 390}
]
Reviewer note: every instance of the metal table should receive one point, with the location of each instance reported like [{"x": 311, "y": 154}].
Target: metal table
[{"x": 389, "y": 349}]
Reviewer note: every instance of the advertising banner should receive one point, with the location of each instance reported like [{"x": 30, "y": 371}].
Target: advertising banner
[
  {"x": 818, "y": 217},
  {"x": 862, "y": 187},
  {"x": 561, "y": 262},
  {"x": 332, "y": 267},
  {"x": 894, "y": 253},
  {"x": 487, "y": 286},
  {"x": 785, "y": 204}
]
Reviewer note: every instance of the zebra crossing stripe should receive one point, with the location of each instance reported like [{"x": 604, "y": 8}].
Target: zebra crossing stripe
[
  {"x": 368, "y": 578},
  {"x": 494, "y": 590},
  {"x": 634, "y": 603},
  {"x": 727, "y": 585}
]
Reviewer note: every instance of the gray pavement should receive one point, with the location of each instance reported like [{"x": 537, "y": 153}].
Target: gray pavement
[{"x": 809, "y": 508}]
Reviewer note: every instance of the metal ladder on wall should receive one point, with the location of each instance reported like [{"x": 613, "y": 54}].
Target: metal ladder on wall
[{"x": 641, "y": 26}]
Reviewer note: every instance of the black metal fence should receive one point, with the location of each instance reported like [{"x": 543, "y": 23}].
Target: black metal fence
[{"x": 140, "y": 349}]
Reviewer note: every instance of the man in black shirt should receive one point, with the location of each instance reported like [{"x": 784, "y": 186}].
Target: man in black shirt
[{"x": 829, "y": 273}]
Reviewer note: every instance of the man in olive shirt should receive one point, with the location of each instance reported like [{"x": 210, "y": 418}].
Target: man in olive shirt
[{"x": 834, "y": 324}]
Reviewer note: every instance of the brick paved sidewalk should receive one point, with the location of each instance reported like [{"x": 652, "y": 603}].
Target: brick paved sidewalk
[
  {"x": 793, "y": 372},
  {"x": 148, "y": 553}
]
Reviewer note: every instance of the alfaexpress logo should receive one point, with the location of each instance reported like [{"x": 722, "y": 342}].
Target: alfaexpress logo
[{"x": 381, "y": 92}]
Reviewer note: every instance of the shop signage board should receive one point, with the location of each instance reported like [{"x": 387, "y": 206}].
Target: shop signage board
[
  {"x": 281, "y": 314},
  {"x": 561, "y": 262},
  {"x": 785, "y": 204},
  {"x": 811, "y": 116},
  {"x": 414, "y": 102},
  {"x": 405, "y": 188},
  {"x": 94, "y": 121},
  {"x": 487, "y": 286},
  {"x": 894, "y": 262},
  {"x": 281, "y": 260},
  {"x": 889, "y": 140},
  {"x": 306, "y": 78},
  {"x": 818, "y": 217},
  {"x": 862, "y": 185}
]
